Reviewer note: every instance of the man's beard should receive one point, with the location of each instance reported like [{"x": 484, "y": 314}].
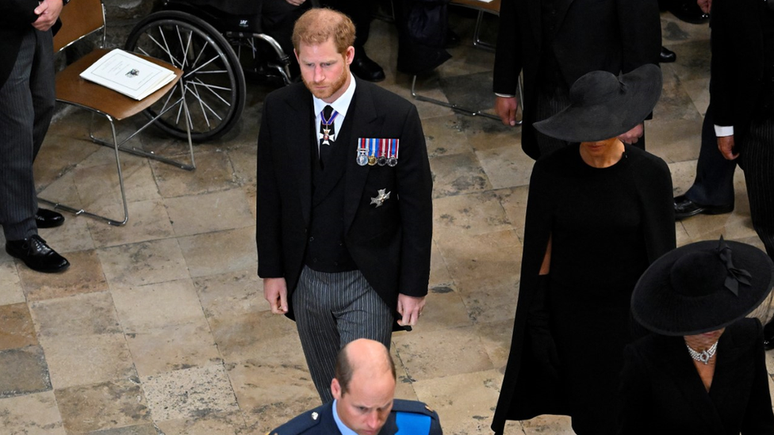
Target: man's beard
[{"x": 335, "y": 86}]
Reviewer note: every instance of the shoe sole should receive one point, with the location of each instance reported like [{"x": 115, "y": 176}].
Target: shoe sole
[{"x": 710, "y": 212}]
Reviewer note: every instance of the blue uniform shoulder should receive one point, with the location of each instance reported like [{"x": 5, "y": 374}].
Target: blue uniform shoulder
[
  {"x": 414, "y": 413},
  {"x": 302, "y": 423}
]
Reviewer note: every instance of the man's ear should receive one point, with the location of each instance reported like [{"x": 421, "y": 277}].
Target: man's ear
[
  {"x": 349, "y": 55},
  {"x": 296, "y": 53},
  {"x": 336, "y": 389}
]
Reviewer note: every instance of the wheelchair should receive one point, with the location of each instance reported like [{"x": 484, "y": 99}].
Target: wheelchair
[{"x": 215, "y": 49}]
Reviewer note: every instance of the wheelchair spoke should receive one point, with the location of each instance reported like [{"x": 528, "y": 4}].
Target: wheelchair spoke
[
  {"x": 212, "y": 89},
  {"x": 203, "y": 104}
]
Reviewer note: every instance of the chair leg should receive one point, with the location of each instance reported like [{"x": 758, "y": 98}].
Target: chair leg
[
  {"x": 477, "y": 42},
  {"x": 81, "y": 211}
]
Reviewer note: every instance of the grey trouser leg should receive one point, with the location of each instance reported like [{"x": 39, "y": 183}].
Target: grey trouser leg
[{"x": 332, "y": 309}]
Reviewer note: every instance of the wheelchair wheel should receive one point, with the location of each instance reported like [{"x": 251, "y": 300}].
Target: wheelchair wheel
[{"x": 212, "y": 77}]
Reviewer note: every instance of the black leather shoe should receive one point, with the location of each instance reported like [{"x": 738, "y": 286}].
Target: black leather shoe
[
  {"x": 685, "y": 208},
  {"x": 666, "y": 55},
  {"x": 48, "y": 218},
  {"x": 367, "y": 69},
  {"x": 36, "y": 254}
]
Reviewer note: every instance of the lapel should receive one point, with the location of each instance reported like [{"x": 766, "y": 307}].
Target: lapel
[
  {"x": 300, "y": 133},
  {"x": 561, "y": 10},
  {"x": 327, "y": 424},
  {"x": 676, "y": 362},
  {"x": 733, "y": 372},
  {"x": 365, "y": 123}
]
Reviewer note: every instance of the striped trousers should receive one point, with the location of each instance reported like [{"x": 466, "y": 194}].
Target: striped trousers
[
  {"x": 27, "y": 101},
  {"x": 332, "y": 309},
  {"x": 757, "y": 161}
]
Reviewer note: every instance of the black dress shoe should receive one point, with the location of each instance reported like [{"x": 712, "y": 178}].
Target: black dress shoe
[
  {"x": 48, "y": 218},
  {"x": 36, "y": 254},
  {"x": 367, "y": 69},
  {"x": 684, "y": 208},
  {"x": 666, "y": 55}
]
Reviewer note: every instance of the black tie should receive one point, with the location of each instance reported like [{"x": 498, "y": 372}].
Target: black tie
[{"x": 327, "y": 133}]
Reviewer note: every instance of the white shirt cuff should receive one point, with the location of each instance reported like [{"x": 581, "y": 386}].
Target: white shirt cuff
[
  {"x": 723, "y": 131},
  {"x": 504, "y": 95}
]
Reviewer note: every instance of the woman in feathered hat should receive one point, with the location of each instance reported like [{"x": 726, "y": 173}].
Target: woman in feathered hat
[
  {"x": 703, "y": 371},
  {"x": 599, "y": 213}
]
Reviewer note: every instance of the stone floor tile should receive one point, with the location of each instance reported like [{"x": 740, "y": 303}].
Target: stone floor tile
[
  {"x": 444, "y": 136},
  {"x": 485, "y": 257},
  {"x": 219, "y": 252},
  {"x": 673, "y": 140},
  {"x": 23, "y": 371},
  {"x": 468, "y": 215},
  {"x": 439, "y": 274},
  {"x": 86, "y": 314},
  {"x": 211, "y": 424},
  {"x": 496, "y": 339},
  {"x": 87, "y": 359},
  {"x": 83, "y": 276},
  {"x": 213, "y": 172},
  {"x": 514, "y": 201},
  {"x": 33, "y": 414},
  {"x": 260, "y": 335},
  {"x": 270, "y": 394},
  {"x": 456, "y": 174},
  {"x": 443, "y": 309},
  {"x": 442, "y": 353},
  {"x": 404, "y": 384},
  {"x": 143, "y": 263},
  {"x": 16, "y": 328},
  {"x": 156, "y": 306},
  {"x": 187, "y": 393},
  {"x": 73, "y": 236},
  {"x": 10, "y": 284},
  {"x": 231, "y": 293},
  {"x": 148, "y": 220},
  {"x": 209, "y": 212},
  {"x": 464, "y": 402},
  {"x": 506, "y": 166},
  {"x": 173, "y": 347},
  {"x": 698, "y": 91},
  {"x": 107, "y": 405},
  {"x": 490, "y": 303},
  {"x": 141, "y": 429},
  {"x": 554, "y": 424}
]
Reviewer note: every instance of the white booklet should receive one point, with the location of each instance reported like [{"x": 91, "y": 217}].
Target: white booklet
[{"x": 128, "y": 74}]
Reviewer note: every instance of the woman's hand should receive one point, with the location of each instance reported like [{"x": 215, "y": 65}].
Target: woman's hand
[{"x": 633, "y": 135}]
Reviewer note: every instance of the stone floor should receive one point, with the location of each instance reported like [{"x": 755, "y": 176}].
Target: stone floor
[{"x": 160, "y": 326}]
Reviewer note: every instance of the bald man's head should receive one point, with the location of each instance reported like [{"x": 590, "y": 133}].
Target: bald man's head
[{"x": 364, "y": 386}]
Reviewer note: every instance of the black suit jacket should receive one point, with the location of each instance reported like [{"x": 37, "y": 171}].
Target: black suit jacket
[
  {"x": 662, "y": 393},
  {"x": 608, "y": 35},
  {"x": 390, "y": 244},
  {"x": 737, "y": 64},
  {"x": 16, "y": 17}
]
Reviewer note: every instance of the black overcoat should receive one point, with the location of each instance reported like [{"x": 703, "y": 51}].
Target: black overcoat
[
  {"x": 662, "y": 392},
  {"x": 390, "y": 244},
  {"x": 527, "y": 389}
]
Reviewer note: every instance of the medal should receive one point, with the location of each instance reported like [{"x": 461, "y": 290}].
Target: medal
[
  {"x": 379, "y": 199},
  {"x": 326, "y": 136},
  {"x": 372, "y": 144},
  {"x": 362, "y": 158},
  {"x": 392, "y": 161},
  {"x": 382, "y": 159}
]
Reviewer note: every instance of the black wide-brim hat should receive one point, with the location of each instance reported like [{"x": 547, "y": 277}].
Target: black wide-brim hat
[
  {"x": 702, "y": 287},
  {"x": 603, "y": 105}
]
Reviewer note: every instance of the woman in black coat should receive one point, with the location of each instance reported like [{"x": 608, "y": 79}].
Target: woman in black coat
[
  {"x": 599, "y": 213},
  {"x": 703, "y": 371}
]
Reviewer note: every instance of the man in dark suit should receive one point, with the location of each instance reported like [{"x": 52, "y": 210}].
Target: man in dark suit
[
  {"x": 742, "y": 98},
  {"x": 363, "y": 390},
  {"x": 344, "y": 208},
  {"x": 27, "y": 98},
  {"x": 554, "y": 42}
]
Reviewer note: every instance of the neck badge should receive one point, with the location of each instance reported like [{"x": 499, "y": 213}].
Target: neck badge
[{"x": 327, "y": 125}]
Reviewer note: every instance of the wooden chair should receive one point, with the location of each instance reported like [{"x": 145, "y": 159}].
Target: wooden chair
[{"x": 81, "y": 18}]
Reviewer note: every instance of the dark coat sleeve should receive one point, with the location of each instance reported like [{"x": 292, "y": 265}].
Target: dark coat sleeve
[
  {"x": 508, "y": 56},
  {"x": 654, "y": 184},
  {"x": 268, "y": 232}
]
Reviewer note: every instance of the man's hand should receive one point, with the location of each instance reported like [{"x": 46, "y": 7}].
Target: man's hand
[
  {"x": 506, "y": 107},
  {"x": 48, "y": 12},
  {"x": 726, "y": 147},
  {"x": 275, "y": 291},
  {"x": 633, "y": 135},
  {"x": 705, "y": 5},
  {"x": 410, "y": 308}
]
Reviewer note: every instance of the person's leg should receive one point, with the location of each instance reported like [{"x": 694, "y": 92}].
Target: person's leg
[
  {"x": 714, "y": 182},
  {"x": 363, "y": 313},
  {"x": 43, "y": 88},
  {"x": 18, "y": 201},
  {"x": 317, "y": 328}
]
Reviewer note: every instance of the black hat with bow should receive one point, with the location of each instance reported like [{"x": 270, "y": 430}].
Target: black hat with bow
[{"x": 702, "y": 287}]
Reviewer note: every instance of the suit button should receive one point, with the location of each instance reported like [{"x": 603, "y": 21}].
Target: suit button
[{"x": 311, "y": 239}]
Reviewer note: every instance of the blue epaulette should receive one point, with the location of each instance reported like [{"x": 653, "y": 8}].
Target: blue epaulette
[
  {"x": 414, "y": 418},
  {"x": 299, "y": 424}
]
